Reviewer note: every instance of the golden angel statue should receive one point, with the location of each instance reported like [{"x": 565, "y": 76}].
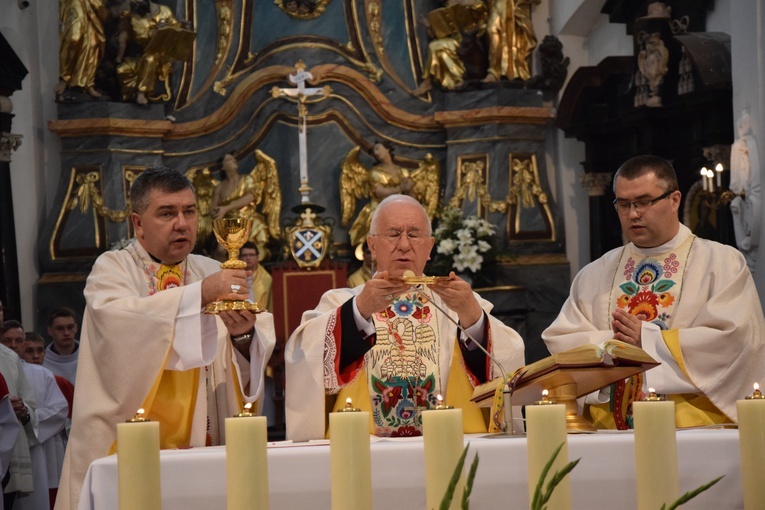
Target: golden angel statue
[
  {"x": 381, "y": 180},
  {"x": 255, "y": 195}
]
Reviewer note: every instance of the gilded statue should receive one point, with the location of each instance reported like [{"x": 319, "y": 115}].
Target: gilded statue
[
  {"x": 511, "y": 36},
  {"x": 151, "y": 59},
  {"x": 448, "y": 26},
  {"x": 241, "y": 195},
  {"x": 381, "y": 180},
  {"x": 82, "y": 42}
]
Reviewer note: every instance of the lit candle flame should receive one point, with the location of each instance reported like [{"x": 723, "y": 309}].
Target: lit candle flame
[
  {"x": 348, "y": 403},
  {"x": 719, "y": 167},
  {"x": 439, "y": 399},
  {"x": 545, "y": 393},
  {"x": 247, "y": 407},
  {"x": 139, "y": 413},
  {"x": 651, "y": 390},
  {"x": 756, "y": 386}
]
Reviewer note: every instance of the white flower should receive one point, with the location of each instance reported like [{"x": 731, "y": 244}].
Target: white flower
[
  {"x": 464, "y": 235},
  {"x": 483, "y": 246},
  {"x": 446, "y": 246},
  {"x": 470, "y": 261},
  {"x": 471, "y": 222},
  {"x": 485, "y": 229}
]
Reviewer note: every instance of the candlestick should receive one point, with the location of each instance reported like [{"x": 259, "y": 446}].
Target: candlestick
[
  {"x": 545, "y": 431},
  {"x": 656, "y": 469},
  {"x": 718, "y": 170},
  {"x": 350, "y": 459},
  {"x": 138, "y": 480},
  {"x": 246, "y": 461},
  {"x": 704, "y": 178},
  {"x": 751, "y": 437},
  {"x": 443, "y": 442}
]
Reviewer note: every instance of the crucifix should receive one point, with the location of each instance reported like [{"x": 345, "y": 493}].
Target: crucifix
[{"x": 300, "y": 94}]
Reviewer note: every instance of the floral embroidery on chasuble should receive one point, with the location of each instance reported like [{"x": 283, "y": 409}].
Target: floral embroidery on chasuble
[
  {"x": 402, "y": 367},
  {"x": 648, "y": 287}
]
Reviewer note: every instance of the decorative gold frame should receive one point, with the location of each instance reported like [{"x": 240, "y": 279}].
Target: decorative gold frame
[{"x": 318, "y": 9}]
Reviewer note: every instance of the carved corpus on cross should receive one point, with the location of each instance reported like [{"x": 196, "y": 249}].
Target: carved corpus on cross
[{"x": 300, "y": 95}]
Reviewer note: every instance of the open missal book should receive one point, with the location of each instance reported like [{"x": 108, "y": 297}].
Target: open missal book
[{"x": 589, "y": 366}]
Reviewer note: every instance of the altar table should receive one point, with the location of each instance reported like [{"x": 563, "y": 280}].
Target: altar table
[{"x": 299, "y": 473}]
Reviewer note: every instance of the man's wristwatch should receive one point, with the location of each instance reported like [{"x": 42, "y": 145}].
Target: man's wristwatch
[{"x": 243, "y": 339}]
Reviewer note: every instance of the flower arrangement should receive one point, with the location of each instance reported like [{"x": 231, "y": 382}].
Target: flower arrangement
[{"x": 462, "y": 244}]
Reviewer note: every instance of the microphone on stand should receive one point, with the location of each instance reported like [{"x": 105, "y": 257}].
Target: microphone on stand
[{"x": 506, "y": 390}]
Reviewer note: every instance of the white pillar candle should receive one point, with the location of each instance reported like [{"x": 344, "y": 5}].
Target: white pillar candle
[
  {"x": 545, "y": 431},
  {"x": 246, "y": 462},
  {"x": 656, "y": 470},
  {"x": 751, "y": 436},
  {"x": 138, "y": 482},
  {"x": 443, "y": 442},
  {"x": 704, "y": 179},
  {"x": 718, "y": 171},
  {"x": 350, "y": 459}
]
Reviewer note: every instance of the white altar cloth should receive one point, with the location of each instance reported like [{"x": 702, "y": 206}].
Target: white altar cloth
[{"x": 299, "y": 474}]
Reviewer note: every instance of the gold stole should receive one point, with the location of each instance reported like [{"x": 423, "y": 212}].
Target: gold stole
[{"x": 172, "y": 398}]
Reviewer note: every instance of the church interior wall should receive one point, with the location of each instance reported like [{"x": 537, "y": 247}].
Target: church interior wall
[{"x": 36, "y": 165}]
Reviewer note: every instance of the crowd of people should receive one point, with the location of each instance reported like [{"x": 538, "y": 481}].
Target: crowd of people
[{"x": 391, "y": 344}]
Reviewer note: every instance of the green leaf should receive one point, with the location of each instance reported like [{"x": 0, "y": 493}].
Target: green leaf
[
  {"x": 449, "y": 494},
  {"x": 469, "y": 483},
  {"x": 691, "y": 494},
  {"x": 662, "y": 286},
  {"x": 629, "y": 288},
  {"x": 540, "y": 499}
]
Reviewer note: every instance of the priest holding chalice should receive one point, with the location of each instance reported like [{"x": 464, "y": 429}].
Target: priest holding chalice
[{"x": 396, "y": 342}]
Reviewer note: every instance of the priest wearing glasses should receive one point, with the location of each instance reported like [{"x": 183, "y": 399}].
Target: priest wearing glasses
[
  {"x": 146, "y": 344},
  {"x": 689, "y": 302},
  {"x": 388, "y": 345}
]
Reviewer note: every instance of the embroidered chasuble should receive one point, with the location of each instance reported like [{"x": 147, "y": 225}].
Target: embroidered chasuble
[
  {"x": 650, "y": 287},
  {"x": 145, "y": 344},
  {"x": 401, "y": 376},
  {"x": 702, "y": 320}
]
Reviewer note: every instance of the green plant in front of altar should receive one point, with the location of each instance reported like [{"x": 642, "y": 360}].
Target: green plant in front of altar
[
  {"x": 463, "y": 245},
  {"x": 541, "y": 498},
  {"x": 691, "y": 494},
  {"x": 449, "y": 494}
]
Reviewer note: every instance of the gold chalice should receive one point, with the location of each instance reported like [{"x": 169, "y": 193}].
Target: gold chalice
[{"x": 232, "y": 233}]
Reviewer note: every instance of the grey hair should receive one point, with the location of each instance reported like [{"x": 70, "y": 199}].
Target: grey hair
[{"x": 392, "y": 200}]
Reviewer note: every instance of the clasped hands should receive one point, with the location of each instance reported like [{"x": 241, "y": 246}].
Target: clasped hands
[
  {"x": 380, "y": 291},
  {"x": 627, "y": 327},
  {"x": 230, "y": 284}
]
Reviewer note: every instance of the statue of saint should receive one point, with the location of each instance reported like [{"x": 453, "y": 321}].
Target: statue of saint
[
  {"x": 511, "y": 39},
  {"x": 653, "y": 65},
  {"x": 745, "y": 178},
  {"x": 448, "y": 27},
  {"x": 382, "y": 180},
  {"x": 81, "y": 25},
  {"x": 140, "y": 66}
]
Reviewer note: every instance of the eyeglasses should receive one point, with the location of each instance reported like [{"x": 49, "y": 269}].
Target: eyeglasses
[
  {"x": 624, "y": 206},
  {"x": 393, "y": 236}
]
